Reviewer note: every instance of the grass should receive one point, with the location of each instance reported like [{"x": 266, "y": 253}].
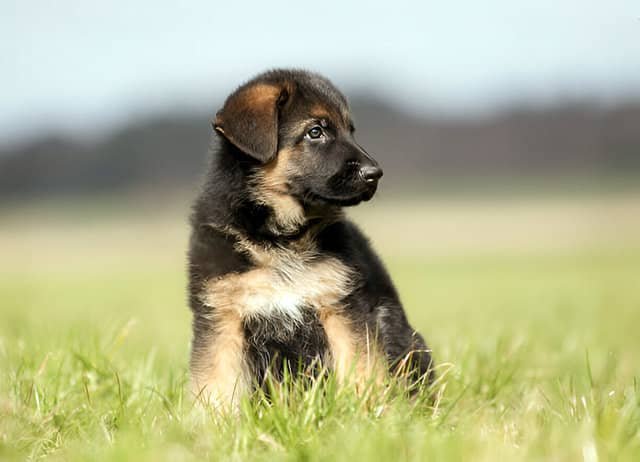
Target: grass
[{"x": 538, "y": 350}]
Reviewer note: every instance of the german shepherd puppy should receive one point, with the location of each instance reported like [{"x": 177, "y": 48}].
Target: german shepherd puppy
[{"x": 278, "y": 277}]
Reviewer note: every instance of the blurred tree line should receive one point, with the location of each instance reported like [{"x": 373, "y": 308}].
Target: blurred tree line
[{"x": 170, "y": 152}]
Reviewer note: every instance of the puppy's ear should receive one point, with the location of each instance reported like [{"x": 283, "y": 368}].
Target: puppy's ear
[{"x": 249, "y": 118}]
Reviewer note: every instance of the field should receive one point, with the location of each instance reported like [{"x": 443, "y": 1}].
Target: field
[{"x": 530, "y": 304}]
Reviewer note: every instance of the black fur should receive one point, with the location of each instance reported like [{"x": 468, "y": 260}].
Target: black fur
[
  {"x": 275, "y": 347},
  {"x": 328, "y": 177}
]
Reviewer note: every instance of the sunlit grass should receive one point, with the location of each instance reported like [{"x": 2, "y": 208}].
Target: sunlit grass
[{"x": 537, "y": 352}]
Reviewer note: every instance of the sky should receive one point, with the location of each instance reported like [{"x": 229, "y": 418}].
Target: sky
[{"x": 86, "y": 67}]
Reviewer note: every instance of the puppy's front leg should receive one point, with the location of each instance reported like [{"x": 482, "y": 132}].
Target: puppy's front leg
[
  {"x": 356, "y": 357},
  {"x": 219, "y": 369},
  {"x": 219, "y": 372}
]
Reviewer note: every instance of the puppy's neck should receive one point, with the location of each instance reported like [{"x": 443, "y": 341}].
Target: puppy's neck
[
  {"x": 284, "y": 226},
  {"x": 300, "y": 244}
]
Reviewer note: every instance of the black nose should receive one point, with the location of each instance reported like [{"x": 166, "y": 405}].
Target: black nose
[{"x": 370, "y": 173}]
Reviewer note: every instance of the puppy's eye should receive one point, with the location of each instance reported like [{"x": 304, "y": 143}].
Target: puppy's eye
[{"x": 315, "y": 132}]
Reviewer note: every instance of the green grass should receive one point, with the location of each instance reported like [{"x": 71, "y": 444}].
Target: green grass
[{"x": 538, "y": 356}]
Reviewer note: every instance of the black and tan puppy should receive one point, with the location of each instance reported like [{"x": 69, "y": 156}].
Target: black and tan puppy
[{"x": 278, "y": 276}]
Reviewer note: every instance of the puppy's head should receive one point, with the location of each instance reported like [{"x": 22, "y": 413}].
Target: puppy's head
[{"x": 297, "y": 128}]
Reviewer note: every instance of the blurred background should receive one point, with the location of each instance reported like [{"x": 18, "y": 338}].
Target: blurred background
[
  {"x": 509, "y": 133},
  {"x": 448, "y": 96}
]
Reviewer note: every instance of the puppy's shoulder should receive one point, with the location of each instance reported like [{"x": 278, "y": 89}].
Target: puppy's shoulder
[
  {"x": 213, "y": 253},
  {"x": 347, "y": 242}
]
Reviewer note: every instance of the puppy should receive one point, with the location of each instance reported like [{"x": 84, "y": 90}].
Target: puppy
[{"x": 279, "y": 279}]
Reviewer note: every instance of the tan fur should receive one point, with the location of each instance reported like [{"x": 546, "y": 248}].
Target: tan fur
[
  {"x": 270, "y": 188},
  {"x": 355, "y": 359},
  {"x": 262, "y": 93},
  {"x": 224, "y": 379},
  {"x": 320, "y": 111},
  {"x": 339, "y": 119},
  {"x": 249, "y": 120},
  {"x": 253, "y": 99}
]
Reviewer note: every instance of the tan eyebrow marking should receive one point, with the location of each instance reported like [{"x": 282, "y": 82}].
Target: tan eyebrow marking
[
  {"x": 320, "y": 112},
  {"x": 333, "y": 115}
]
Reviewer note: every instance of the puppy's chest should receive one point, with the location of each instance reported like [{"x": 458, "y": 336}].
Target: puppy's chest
[{"x": 282, "y": 286}]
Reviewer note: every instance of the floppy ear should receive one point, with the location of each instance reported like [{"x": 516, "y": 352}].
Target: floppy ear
[{"x": 249, "y": 119}]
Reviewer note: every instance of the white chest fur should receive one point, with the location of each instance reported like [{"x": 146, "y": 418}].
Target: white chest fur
[{"x": 282, "y": 283}]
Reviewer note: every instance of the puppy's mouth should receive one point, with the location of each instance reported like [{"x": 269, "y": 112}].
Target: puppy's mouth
[{"x": 312, "y": 197}]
